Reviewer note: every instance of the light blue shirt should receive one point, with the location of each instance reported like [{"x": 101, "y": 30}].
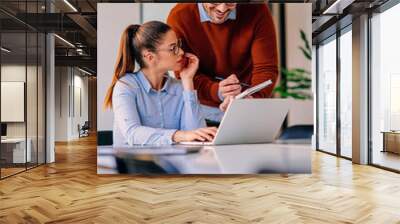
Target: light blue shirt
[
  {"x": 143, "y": 115},
  {"x": 205, "y": 18}
]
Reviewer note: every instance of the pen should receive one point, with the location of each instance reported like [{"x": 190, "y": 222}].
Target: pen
[{"x": 242, "y": 83}]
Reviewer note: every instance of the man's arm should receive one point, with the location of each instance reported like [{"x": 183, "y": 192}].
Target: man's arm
[
  {"x": 264, "y": 53},
  {"x": 206, "y": 87}
]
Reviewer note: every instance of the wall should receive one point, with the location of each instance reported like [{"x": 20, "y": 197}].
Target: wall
[
  {"x": 71, "y": 102},
  {"x": 156, "y": 11},
  {"x": 301, "y": 111},
  {"x": 108, "y": 36},
  {"x": 16, "y": 72},
  {"x": 296, "y": 15},
  {"x": 33, "y": 126}
]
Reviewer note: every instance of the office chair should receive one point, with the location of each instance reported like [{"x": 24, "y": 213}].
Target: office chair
[
  {"x": 84, "y": 130},
  {"x": 104, "y": 138},
  {"x": 297, "y": 132}
]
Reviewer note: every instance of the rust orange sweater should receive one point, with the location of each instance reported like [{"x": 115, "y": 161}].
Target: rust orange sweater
[{"x": 245, "y": 46}]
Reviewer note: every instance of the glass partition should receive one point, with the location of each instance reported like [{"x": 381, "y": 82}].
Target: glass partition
[
  {"x": 327, "y": 95},
  {"x": 346, "y": 93},
  {"x": 22, "y": 88},
  {"x": 385, "y": 89}
]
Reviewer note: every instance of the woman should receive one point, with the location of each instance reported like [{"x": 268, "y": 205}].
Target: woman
[{"x": 149, "y": 106}]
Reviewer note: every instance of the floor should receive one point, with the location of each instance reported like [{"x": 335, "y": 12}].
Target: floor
[
  {"x": 387, "y": 159},
  {"x": 70, "y": 191}
]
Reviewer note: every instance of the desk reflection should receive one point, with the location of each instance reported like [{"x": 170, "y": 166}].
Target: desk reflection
[{"x": 225, "y": 159}]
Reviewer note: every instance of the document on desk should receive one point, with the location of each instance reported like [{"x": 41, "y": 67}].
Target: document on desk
[{"x": 254, "y": 89}]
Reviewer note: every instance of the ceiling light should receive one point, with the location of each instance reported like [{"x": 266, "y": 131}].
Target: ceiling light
[
  {"x": 64, "y": 40},
  {"x": 84, "y": 71},
  {"x": 337, "y": 7},
  {"x": 5, "y": 50},
  {"x": 70, "y": 5}
]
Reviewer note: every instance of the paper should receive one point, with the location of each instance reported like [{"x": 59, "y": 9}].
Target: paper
[{"x": 254, "y": 89}]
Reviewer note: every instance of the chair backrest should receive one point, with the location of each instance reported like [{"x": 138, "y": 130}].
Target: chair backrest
[
  {"x": 104, "y": 138},
  {"x": 297, "y": 132},
  {"x": 86, "y": 125}
]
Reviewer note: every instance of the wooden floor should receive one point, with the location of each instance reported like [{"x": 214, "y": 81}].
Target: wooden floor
[{"x": 70, "y": 191}]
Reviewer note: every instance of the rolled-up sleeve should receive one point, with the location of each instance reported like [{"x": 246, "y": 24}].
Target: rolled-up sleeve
[
  {"x": 128, "y": 121},
  {"x": 191, "y": 117}
]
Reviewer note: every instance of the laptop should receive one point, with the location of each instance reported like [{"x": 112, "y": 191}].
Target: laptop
[{"x": 250, "y": 121}]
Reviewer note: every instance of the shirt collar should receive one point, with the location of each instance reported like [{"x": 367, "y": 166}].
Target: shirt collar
[
  {"x": 204, "y": 16},
  {"x": 146, "y": 84}
]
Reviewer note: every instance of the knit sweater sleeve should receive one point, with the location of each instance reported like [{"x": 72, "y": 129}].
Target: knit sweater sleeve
[{"x": 264, "y": 53}]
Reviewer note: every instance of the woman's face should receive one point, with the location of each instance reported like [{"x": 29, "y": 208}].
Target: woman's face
[{"x": 169, "y": 55}]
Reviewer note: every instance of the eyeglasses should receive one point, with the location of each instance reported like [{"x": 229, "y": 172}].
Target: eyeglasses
[
  {"x": 174, "y": 49},
  {"x": 229, "y": 5}
]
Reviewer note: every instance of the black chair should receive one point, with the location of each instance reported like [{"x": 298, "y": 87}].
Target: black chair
[
  {"x": 104, "y": 138},
  {"x": 297, "y": 132},
  {"x": 84, "y": 130}
]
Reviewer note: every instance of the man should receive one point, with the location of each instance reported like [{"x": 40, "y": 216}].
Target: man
[{"x": 235, "y": 42}]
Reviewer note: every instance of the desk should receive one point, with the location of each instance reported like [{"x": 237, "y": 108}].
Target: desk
[
  {"x": 391, "y": 141},
  {"x": 225, "y": 159},
  {"x": 16, "y": 147}
]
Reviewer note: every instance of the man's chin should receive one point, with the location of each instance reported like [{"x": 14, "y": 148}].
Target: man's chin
[{"x": 218, "y": 20}]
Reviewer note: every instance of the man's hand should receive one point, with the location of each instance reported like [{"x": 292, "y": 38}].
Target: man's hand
[
  {"x": 230, "y": 86},
  {"x": 224, "y": 105},
  {"x": 228, "y": 100}
]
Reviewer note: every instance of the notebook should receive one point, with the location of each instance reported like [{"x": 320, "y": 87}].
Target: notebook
[{"x": 254, "y": 89}]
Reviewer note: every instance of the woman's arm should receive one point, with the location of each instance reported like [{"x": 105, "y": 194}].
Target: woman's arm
[
  {"x": 127, "y": 119},
  {"x": 191, "y": 117}
]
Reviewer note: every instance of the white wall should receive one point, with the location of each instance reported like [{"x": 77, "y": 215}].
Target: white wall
[
  {"x": 112, "y": 19},
  {"x": 67, "y": 114},
  {"x": 33, "y": 126},
  {"x": 15, "y": 72},
  {"x": 156, "y": 11},
  {"x": 79, "y": 117},
  {"x": 298, "y": 17},
  {"x": 61, "y": 103}
]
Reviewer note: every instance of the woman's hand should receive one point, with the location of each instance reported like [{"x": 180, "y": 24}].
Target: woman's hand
[
  {"x": 187, "y": 73},
  {"x": 201, "y": 134},
  {"x": 190, "y": 69}
]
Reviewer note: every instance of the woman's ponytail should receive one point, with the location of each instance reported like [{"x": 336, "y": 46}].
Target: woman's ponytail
[
  {"x": 125, "y": 63},
  {"x": 134, "y": 39}
]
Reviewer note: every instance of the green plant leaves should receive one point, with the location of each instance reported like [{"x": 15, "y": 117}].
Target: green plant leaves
[{"x": 298, "y": 80}]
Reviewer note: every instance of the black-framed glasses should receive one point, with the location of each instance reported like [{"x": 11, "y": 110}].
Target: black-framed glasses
[{"x": 175, "y": 48}]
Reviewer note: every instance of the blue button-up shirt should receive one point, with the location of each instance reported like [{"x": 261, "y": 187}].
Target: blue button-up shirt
[
  {"x": 143, "y": 115},
  {"x": 204, "y": 17}
]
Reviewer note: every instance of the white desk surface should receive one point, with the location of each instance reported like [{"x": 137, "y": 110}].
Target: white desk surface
[
  {"x": 224, "y": 159},
  {"x": 13, "y": 140}
]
